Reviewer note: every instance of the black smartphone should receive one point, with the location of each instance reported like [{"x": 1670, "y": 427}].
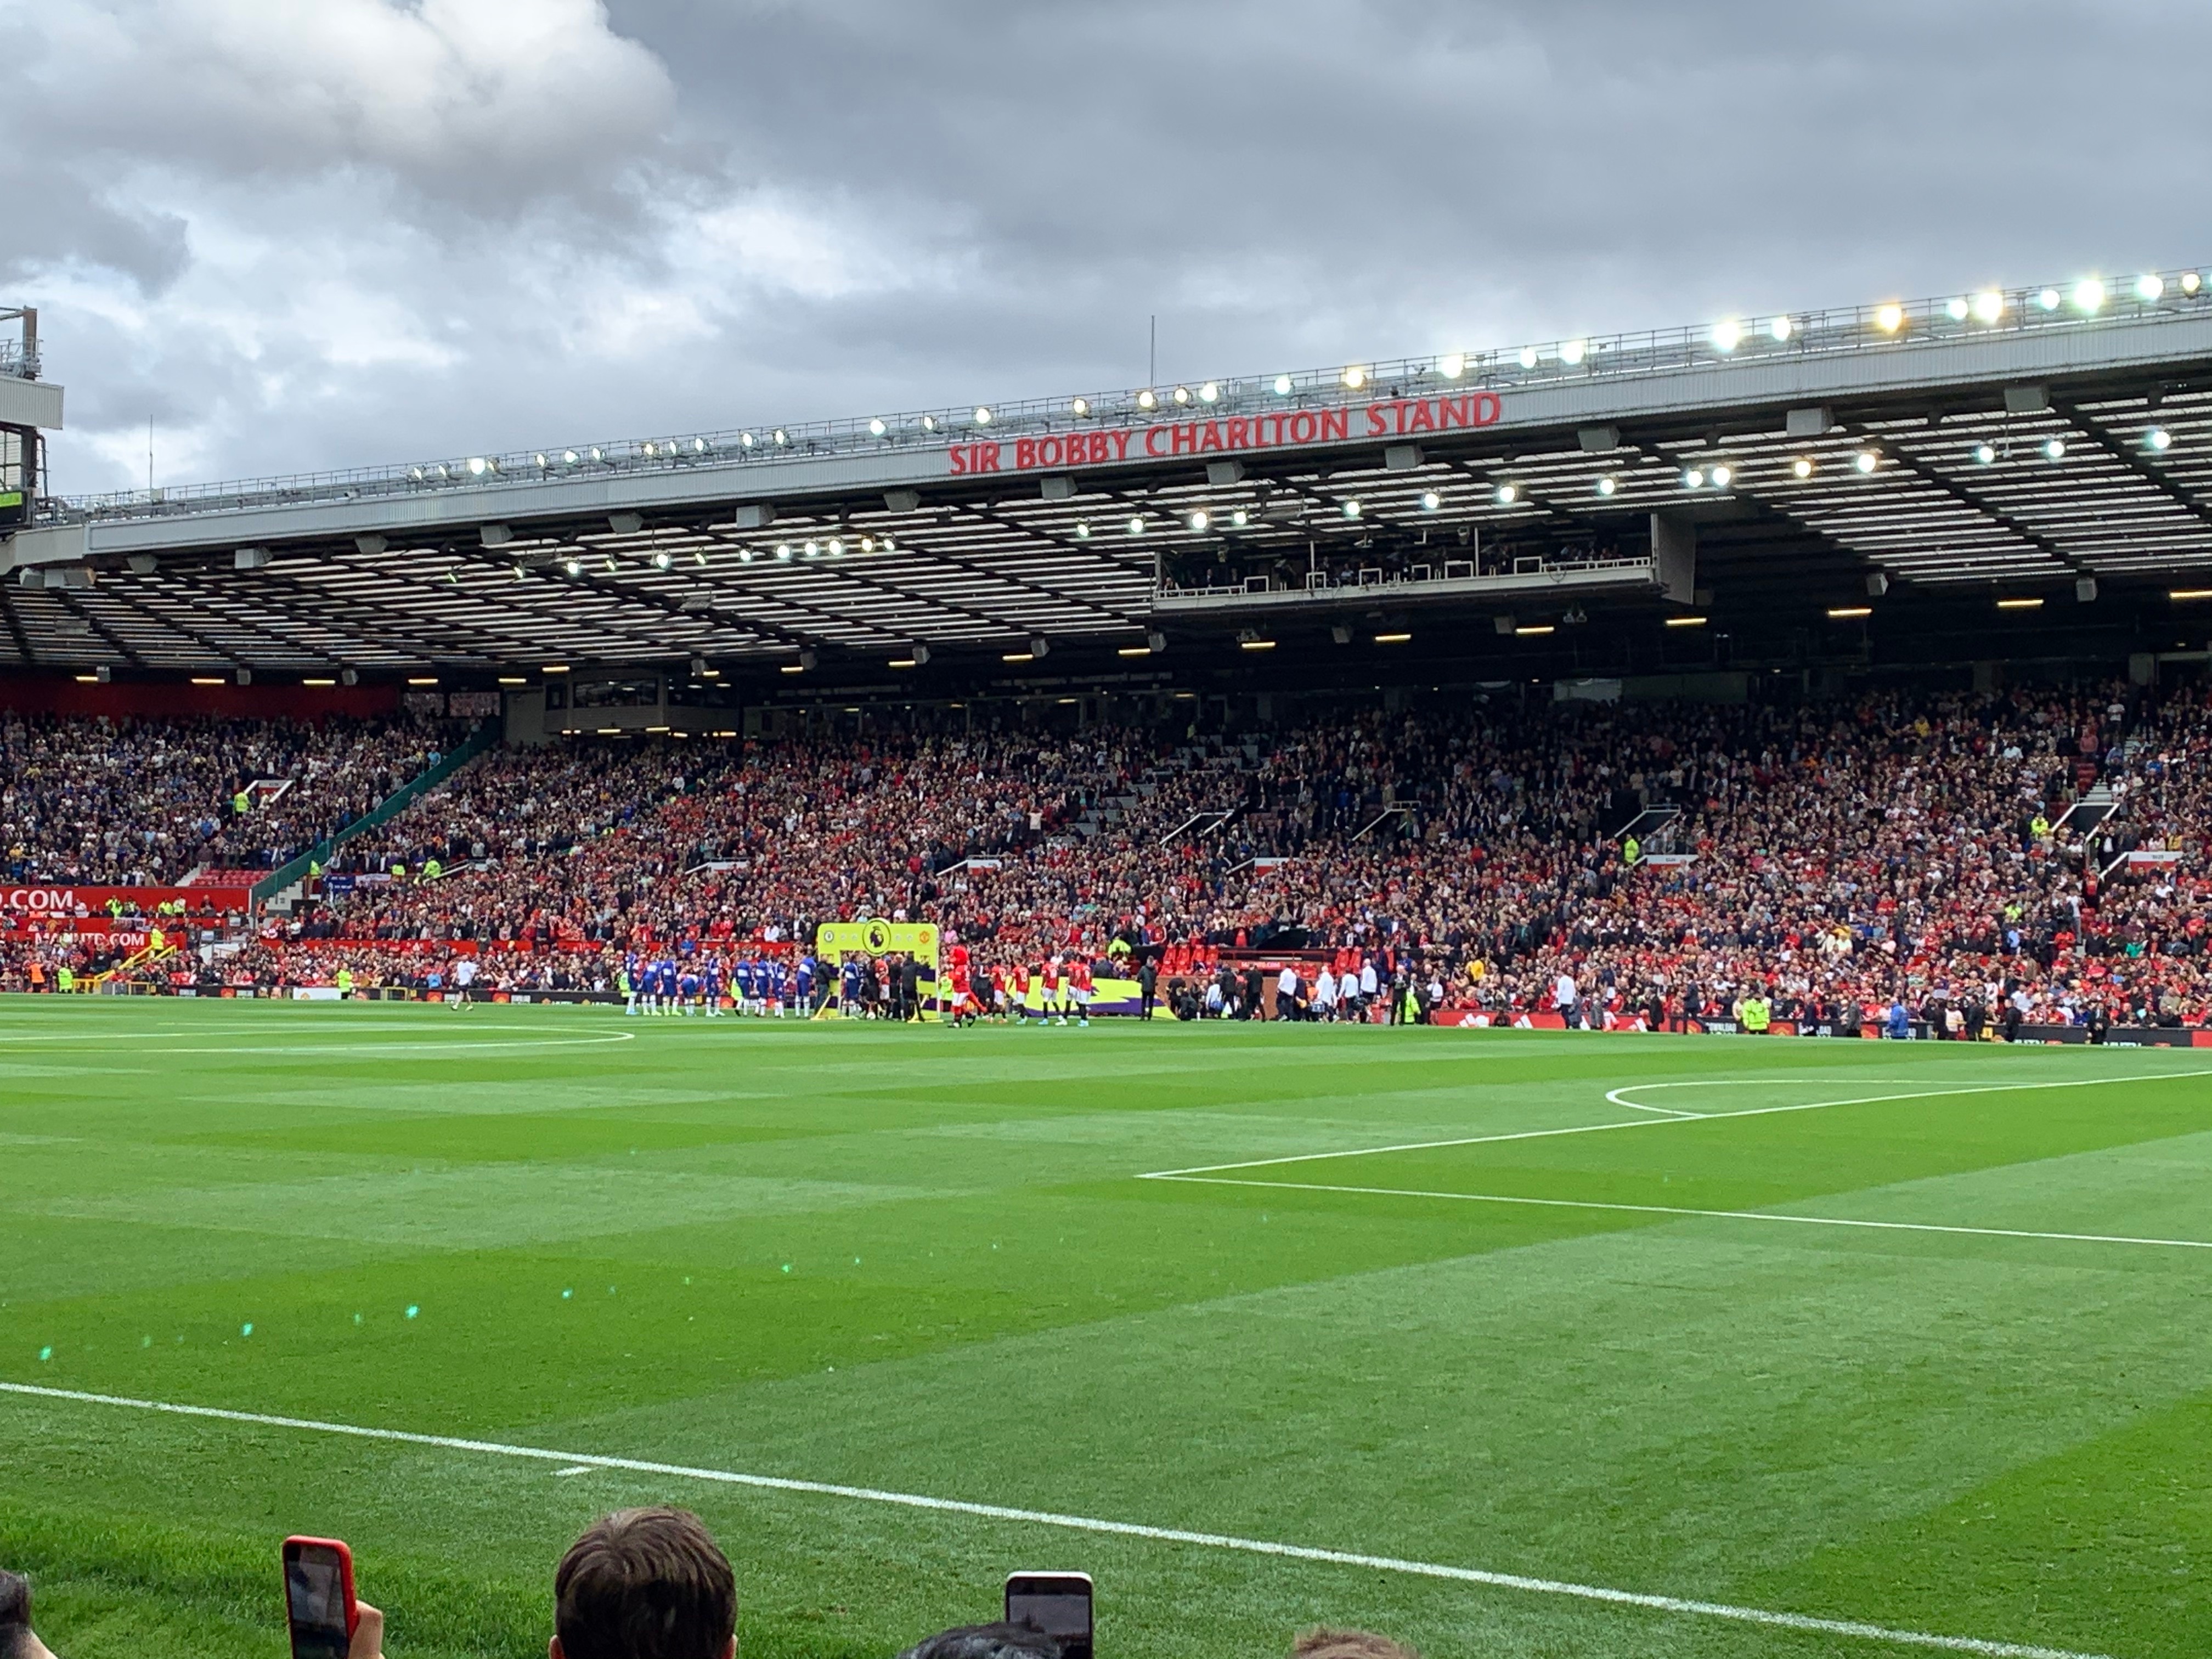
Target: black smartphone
[
  {"x": 1057, "y": 1603},
  {"x": 319, "y": 1600}
]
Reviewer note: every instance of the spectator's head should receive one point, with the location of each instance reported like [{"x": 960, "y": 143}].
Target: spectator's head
[
  {"x": 645, "y": 1584},
  {"x": 1327, "y": 1643},
  {"x": 16, "y": 1639},
  {"x": 985, "y": 1641}
]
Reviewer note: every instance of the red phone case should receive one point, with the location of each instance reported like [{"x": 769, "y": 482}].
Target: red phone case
[{"x": 345, "y": 1572}]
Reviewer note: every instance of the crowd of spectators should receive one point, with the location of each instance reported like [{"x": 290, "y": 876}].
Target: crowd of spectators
[
  {"x": 148, "y": 802},
  {"x": 2032, "y": 854}
]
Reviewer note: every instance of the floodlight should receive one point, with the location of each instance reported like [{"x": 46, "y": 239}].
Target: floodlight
[
  {"x": 1782, "y": 328},
  {"x": 876, "y": 426},
  {"x": 567, "y": 458},
  {"x": 1607, "y": 484},
  {"x": 1866, "y": 460},
  {"x": 1452, "y": 365},
  {"x": 650, "y": 451},
  {"x": 1508, "y": 493},
  {"x": 1430, "y": 501},
  {"x": 744, "y": 441},
  {"x": 1136, "y": 525},
  {"x": 2158, "y": 438},
  {"x": 1722, "y": 476},
  {"x": 1573, "y": 352},
  {"x": 1282, "y": 386},
  {"x": 1148, "y": 398},
  {"x": 1694, "y": 478},
  {"x": 783, "y": 552},
  {"x": 2191, "y": 282},
  {"x": 929, "y": 423},
  {"x": 1802, "y": 467},
  {"x": 1989, "y": 305},
  {"x": 661, "y": 561},
  {"x": 1985, "y": 453},
  {"x": 1955, "y": 309},
  {"x": 1527, "y": 356},
  {"x": 2048, "y": 299},
  {"x": 781, "y": 436},
  {"x": 1199, "y": 519},
  {"x": 1889, "y": 318},
  {"x": 477, "y": 466},
  {"x": 1182, "y": 394},
  {"x": 1351, "y": 508},
  {"x": 1079, "y": 406},
  {"x": 1208, "y": 392},
  {"x": 1240, "y": 518},
  {"x": 836, "y": 547},
  {"x": 2149, "y": 287},
  {"x": 2088, "y": 294},
  {"x": 2054, "y": 449},
  {"x": 538, "y": 459},
  {"x": 575, "y": 566},
  {"x": 1083, "y": 530},
  {"x": 1727, "y": 334},
  {"x": 1355, "y": 377},
  {"x": 982, "y": 414}
]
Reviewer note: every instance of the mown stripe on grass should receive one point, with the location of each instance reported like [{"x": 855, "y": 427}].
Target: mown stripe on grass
[{"x": 1763, "y": 1616}]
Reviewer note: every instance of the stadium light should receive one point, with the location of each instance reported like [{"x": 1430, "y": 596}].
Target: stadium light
[
  {"x": 1083, "y": 530},
  {"x": 1182, "y": 394},
  {"x": 1607, "y": 485},
  {"x": 1528, "y": 358},
  {"x": 2019, "y": 604},
  {"x": 1133, "y": 651},
  {"x": 2088, "y": 295},
  {"x": 783, "y": 551},
  {"x": 744, "y": 441},
  {"x": 2158, "y": 439},
  {"x": 1354, "y": 377},
  {"x": 207, "y": 679},
  {"x": 2191, "y": 282},
  {"x": 1452, "y": 365},
  {"x": 1889, "y": 318},
  {"x": 1351, "y": 508},
  {"x": 903, "y": 662},
  {"x": 1282, "y": 386},
  {"x": 513, "y": 679},
  {"x": 1694, "y": 478},
  {"x": 982, "y": 414},
  {"x": 1255, "y": 645},
  {"x": 1210, "y": 392},
  {"x": 1508, "y": 493},
  {"x": 1849, "y": 612},
  {"x": 574, "y": 567},
  {"x": 1685, "y": 621},
  {"x": 929, "y": 423},
  {"x": 1573, "y": 352},
  {"x": 422, "y": 679},
  {"x": 1136, "y": 524},
  {"x": 1018, "y": 656},
  {"x": 477, "y": 465},
  {"x": 793, "y": 668},
  {"x": 1392, "y": 639},
  {"x": 1078, "y": 406},
  {"x": 2054, "y": 449},
  {"x": 2179, "y": 593},
  {"x": 1866, "y": 460},
  {"x": 836, "y": 547},
  {"x": 1780, "y": 328},
  {"x": 538, "y": 459},
  {"x": 1723, "y": 477},
  {"x": 2048, "y": 299},
  {"x": 811, "y": 550},
  {"x": 1199, "y": 520},
  {"x": 1989, "y": 305},
  {"x": 1430, "y": 501},
  {"x": 1727, "y": 335},
  {"x": 876, "y": 426},
  {"x": 1801, "y": 467},
  {"x": 1956, "y": 308},
  {"x": 1148, "y": 398},
  {"x": 661, "y": 561},
  {"x": 1985, "y": 453},
  {"x": 567, "y": 458},
  {"x": 1527, "y": 628},
  {"x": 780, "y": 436},
  {"x": 2149, "y": 287},
  {"x": 553, "y": 668}
]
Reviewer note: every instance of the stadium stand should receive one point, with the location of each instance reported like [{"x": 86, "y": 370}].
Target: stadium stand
[{"x": 2035, "y": 850}]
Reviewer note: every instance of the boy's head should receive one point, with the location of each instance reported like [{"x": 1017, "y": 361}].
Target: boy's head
[
  {"x": 16, "y": 1639},
  {"x": 645, "y": 1584}
]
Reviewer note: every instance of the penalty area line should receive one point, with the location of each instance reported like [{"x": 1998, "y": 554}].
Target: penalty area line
[
  {"x": 1513, "y": 1581},
  {"x": 1662, "y": 1123},
  {"x": 1682, "y": 1209}
]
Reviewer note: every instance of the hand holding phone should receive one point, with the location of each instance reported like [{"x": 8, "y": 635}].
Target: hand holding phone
[
  {"x": 1057, "y": 1603},
  {"x": 319, "y": 1605}
]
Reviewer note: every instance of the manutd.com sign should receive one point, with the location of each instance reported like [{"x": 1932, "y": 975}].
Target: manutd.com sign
[{"x": 1230, "y": 435}]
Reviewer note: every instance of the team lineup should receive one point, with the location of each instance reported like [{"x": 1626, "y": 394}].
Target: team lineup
[{"x": 899, "y": 988}]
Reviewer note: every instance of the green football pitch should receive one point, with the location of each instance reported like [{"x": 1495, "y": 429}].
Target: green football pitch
[{"x": 1502, "y": 1343}]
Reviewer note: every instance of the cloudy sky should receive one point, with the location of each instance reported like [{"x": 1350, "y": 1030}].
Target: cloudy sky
[{"x": 297, "y": 234}]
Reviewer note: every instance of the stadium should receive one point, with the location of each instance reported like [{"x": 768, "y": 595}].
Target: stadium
[{"x": 1543, "y": 998}]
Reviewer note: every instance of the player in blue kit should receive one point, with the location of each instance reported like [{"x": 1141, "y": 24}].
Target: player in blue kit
[
  {"x": 848, "y": 987},
  {"x": 687, "y": 990},
  {"x": 712, "y": 982},
  {"x": 664, "y": 986},
  {"x": 802, "y": 977}
]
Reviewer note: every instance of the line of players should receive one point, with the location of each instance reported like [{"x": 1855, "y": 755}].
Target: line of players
[{"x": 799, "y": 987}]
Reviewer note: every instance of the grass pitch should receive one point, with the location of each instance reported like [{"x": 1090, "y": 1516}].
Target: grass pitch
[{"x": 924, "y": 1263}]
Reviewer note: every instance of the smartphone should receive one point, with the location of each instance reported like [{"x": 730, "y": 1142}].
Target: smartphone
[
  {"x": 1057, "y": 1603},
  {"x": 319, "y": 1603}
]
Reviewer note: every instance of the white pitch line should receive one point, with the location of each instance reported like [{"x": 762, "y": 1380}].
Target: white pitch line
[
  {"x": 1851, "y": 1627},
  {"x": 1724, "y": 1215},
  {"x": 1662, "y": 1122}
]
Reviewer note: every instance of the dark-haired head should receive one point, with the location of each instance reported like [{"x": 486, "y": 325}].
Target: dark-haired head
[{"x": 985, "y": 1641}]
